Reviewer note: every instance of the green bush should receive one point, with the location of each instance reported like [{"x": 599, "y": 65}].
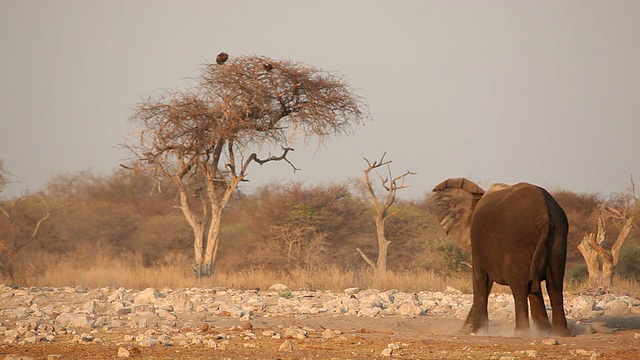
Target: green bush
[
  {"x": 629, "y": 265},
  {"x": 577, "y": 273}
]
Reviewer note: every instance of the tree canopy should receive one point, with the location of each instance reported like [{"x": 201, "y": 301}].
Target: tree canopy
[{"x": 204, "y": 138}]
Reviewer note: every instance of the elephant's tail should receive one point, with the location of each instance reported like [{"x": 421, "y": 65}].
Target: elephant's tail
[{"x": 539, "y": 260}]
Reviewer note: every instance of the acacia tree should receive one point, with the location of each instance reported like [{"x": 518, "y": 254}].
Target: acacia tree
[
  {"x": 391, "y": 185},
  {"x": 204, "y": 139}
]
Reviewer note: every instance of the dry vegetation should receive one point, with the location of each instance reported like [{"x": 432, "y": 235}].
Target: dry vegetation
[
  {"x": 119, "y": 230},
  {"x": 130, "y": 274}
]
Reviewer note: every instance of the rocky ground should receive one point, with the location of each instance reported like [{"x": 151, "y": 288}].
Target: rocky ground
[{"x": 220, "y": 323}]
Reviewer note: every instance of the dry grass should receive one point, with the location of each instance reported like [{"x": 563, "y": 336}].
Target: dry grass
[
  {"x": 94, "y": 271},
  {"x": 127, "y": 272}
]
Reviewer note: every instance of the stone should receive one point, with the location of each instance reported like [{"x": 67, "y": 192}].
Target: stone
[
  {"x": 616, "y": 307},
  {"x": 119, "y": 294},
  {"x": 73, "y": 320},
  {"x": 295, "y": 333},
  {"x": 180, "y": 301},
  {"x": 369, "y": 312},
  {"x": 122, "y": 352},
  {"x": 351, "y": 291},
  {"x": 286, "y": 346},
  {"x": 278, "y": 287},
  {"x": 410, "y": 309},
  {"x": 328, "y": 334},
  {"x": 146, "y": 296}
]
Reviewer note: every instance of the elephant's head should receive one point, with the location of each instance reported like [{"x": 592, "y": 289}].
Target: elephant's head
[{"x": 454, "y": 201}]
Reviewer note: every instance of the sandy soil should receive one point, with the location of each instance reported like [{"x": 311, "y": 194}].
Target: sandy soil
[{"x": 424, "y": 337}]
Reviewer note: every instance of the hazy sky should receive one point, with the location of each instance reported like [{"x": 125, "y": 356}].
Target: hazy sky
[{"x": 497, "y": 91}]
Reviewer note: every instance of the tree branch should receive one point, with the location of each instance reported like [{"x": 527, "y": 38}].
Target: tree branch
[
  {"x": 622, "y": 237},
  {"x": 597, "y": 242},
  {"x": 368, "y": 260},
  {"x": 286, "y": 150}
]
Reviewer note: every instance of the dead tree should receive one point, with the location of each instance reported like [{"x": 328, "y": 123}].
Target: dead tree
[
  {"x": 391, "y": 185},
  {"x": 20, "y": 228},
  {"x": 601, "y": 262},
  {"x": 203, "y": 138},
  {"x": 4, "y": 176},
  {"x": 302, "y": 243}
]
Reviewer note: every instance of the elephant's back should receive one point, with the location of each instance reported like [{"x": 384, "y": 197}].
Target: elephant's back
[{"x": 516, "y": 214}]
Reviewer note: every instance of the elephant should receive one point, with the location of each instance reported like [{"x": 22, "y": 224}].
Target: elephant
[{"x": 518, "y": 237}]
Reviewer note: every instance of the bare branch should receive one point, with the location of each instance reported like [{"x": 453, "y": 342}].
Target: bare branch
[
  {"x": 597, "y": 242},
  {"x": 275, "y": 158},
  {"x": 622, "y": 237},
  {"x": 367, "y": 259}
]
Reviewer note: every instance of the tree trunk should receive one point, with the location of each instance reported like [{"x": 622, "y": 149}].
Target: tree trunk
[
  {"x": 606, "y": 277},
  {"x": 198, "y": 248},
  {"x": 383, "y": 245},
  {"x": 211, "y": 250},
  {"x": 600, "y": 262},
  {"x": 591, "y": 258},
  {"x": 205, "y": 238}
]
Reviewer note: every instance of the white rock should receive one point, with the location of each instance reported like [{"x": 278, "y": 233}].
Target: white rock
[
  {"x": 295, "y": 333},
  {"x": 180, "y": 301},
  {"x": 410, "y": 309},
  {"x": 351, "y": 291},
  {"x": 146, "y": 296},
  {"x": 387, "y": 352},
  {"x": 328, "y": 334},
  {"x": 286, "y": 346},
  {"x": 278, "y": 287},
  {"x": 73, "y": 320},
  {"x": 122, "y": 352},
  {"x": 616, "y": 307},
  {"x": 369, "y": 311}
]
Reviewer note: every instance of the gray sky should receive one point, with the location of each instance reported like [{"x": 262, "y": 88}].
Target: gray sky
[{"x": 497, "y": 91}]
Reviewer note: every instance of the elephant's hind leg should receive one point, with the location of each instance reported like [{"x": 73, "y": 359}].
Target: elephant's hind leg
[
  {"x": 539, "y": 312},
  {"x": 520, "y": 293},
  {"x": 479, "y": 310},
  {"x": 558, "y": 318}
]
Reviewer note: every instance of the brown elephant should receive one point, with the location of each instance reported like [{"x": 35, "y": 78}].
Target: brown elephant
[{"x": 518, "y": 237}]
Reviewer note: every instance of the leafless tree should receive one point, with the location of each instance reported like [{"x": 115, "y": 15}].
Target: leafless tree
[
  {"x": 391, "y": 185},
  {"x": 204, "y": 139},
  {"x": 4, "y": 176},
  {"x": 601, "y": 262},
  {"x": 302, "y": 243},
  {"x": 21, "y": 227}
]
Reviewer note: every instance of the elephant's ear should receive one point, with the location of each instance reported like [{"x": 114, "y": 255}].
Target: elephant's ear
[
  {"x": 453, "y": 201},
  {"x": 460, "y": 183}
]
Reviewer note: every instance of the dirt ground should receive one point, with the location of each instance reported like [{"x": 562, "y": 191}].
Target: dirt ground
[{"x": 424, "y": 337}]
